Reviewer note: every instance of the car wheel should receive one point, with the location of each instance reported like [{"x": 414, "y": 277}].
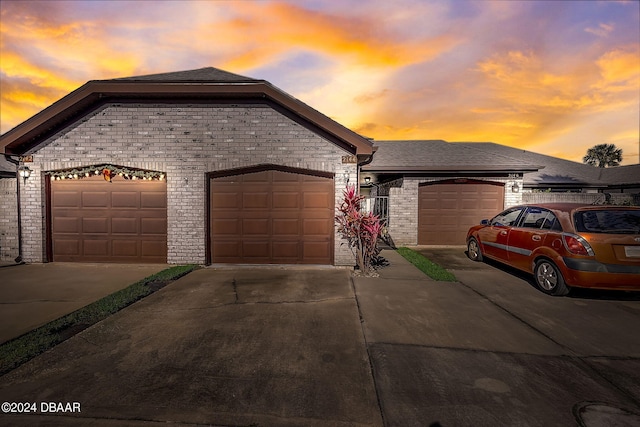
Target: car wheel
[
  {"x": 549, "y": 279},
  {"x": 473, "y": 250}
]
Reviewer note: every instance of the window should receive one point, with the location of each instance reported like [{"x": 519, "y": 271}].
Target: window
[
  {"x": 617, "y": 221},
  {"x": 541, "y": 219},
  {"x": 508, "y": 217}
]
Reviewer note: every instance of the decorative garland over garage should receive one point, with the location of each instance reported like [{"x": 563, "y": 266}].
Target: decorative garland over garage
[{"x": 108, "y": 172}]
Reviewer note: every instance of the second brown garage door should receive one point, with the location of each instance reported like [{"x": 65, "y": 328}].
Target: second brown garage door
[
  {"x": 446, "y": 210},
  {"x": 272, "y": 217}
]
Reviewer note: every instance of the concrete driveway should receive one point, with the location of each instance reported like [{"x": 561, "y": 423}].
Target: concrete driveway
[
  {"x": 34, "y": 294},
  {"x": 315, "y": 347}
]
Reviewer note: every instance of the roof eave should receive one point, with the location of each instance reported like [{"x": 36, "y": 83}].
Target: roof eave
[{"x": 15, "y": 140}]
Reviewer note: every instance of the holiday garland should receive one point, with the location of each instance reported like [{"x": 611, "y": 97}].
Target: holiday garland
[{"x": 108, "y": 172}]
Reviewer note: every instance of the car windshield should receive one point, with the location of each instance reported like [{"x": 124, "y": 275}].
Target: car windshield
[{"x": 608, "y": 221}]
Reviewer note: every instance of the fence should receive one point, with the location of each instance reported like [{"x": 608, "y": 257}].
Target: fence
[
  {"x": 586, "y": 198},
  {"x": 378, "y": 205}
]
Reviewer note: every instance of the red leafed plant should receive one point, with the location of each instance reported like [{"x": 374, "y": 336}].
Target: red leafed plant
[{"x": 360, "y": 230}]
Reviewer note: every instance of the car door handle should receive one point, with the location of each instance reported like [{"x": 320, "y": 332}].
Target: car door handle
[
  {"x": 503, "y": 233},
  {"x": 536, "y": 238}
]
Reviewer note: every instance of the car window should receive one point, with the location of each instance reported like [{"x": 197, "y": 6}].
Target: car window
[
  {"x": 614, "y": 221},
  {"x": 507, "y": 218},
  {"x": 541, "y": 219}
]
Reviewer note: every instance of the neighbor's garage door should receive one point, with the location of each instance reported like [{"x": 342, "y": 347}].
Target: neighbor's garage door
[
  {"x": 93, "y": 220},
  {"x": 272, "y": 217},
  {"x": 446, "y": 210}
]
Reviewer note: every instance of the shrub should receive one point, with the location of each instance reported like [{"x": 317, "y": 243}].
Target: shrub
[{"x": 360, "y": 230}]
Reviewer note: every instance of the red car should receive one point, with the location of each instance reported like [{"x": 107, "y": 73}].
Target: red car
[{"x": 564, "y": 245}]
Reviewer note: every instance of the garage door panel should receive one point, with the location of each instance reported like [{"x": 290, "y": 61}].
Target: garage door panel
[
  {"x": 447, "y": 210},
  {"x": 98, "y": 248},
  {"x": 128, "y": 199},
  {"x": 68, "y": 246},
  {"x": 285, "y": 251},
  {"x": 153, "y": 226},
  {"x": 223, "y": 227},
  {"x": 255, "y": 200},
  {"x": 286, "y": 226},
  {"x": 153, "y": 249},
  {"x": 254, "y": 227},
  {"x": 95, "y": 225},
  {"x": 316, "y": 227},
  {"x": 93, "y": 231},
  {"x": 128, "y": 248},
  {"x": 95, "y": 199},
  {"x": 66, "y": 225},
  {"x": 153, "y": 200},
  {"x": 66, "y": 199},
  {"x": 226, "y": 200},
  {"x": 275, "y": 205},
  {"x": 124, "y": 225},
  {"x": 316, "y": 251},
  {"x": 286, "y": 200},
  {"x": 256, "y": 249}
]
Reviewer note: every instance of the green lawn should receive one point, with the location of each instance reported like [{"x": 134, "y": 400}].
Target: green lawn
[
  {"x": 15, "y": 352},
  {"x": 427, "y": 266}
]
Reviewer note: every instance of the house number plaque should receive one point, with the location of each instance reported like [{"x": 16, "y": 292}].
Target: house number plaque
[{"x": 349, "y": 159}]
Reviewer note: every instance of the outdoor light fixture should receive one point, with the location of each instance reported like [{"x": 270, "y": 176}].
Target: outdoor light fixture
[
  {"x": 515, "y": 188},
  {"x": 367, "y": 179},
  {"x": 24, "y": 172}
]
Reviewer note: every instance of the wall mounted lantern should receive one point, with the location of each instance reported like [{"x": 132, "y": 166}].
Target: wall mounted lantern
[
  {"x": 367, "y": 179},
  {"x": 515, "y": 188},
  {"x": 24, "y": 172}
]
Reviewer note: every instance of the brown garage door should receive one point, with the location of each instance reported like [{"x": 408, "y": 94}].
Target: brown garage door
[
  {"x": 93, "y": 220},
  {"x": 447, "y": 209},
  {"x": 272, "y": 217}
]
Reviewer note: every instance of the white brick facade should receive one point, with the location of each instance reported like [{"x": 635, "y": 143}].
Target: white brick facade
[
  {"x": 185, "y": 142},
  {"x": 8, "y": 220},
  {"x": 403, "y": 205}
]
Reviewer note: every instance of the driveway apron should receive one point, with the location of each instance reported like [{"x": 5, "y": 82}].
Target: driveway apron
[
  {"x": 469, "y": 353},
  {"x": 273, "y": 346}
]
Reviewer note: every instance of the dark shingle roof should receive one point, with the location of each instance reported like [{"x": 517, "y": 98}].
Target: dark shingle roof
[
  {"x": 620, "y": 175},
  {"x": 556, "y": 171},
  {"x": 438, "y": 155},
  {"x": 208, "y": 74},
  {"x": 7, "y": 169}
]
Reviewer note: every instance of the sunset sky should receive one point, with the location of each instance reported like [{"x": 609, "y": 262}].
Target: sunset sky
[{"x": 553, "y": 77}]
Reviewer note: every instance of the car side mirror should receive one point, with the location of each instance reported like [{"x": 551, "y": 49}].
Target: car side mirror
[{"x": 484, "y": 222}]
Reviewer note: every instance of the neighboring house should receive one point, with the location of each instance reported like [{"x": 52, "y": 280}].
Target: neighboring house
[
  {"x": 221, "y": 168},
  {"x": 9, "y": 250},
  {"x": 436, "y": 190},
  {"x": 206, "y": 166}
]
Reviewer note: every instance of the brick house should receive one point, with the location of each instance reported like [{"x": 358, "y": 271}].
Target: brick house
[
  {"x": 200, "y": 166},
  {"x": 206, "y": 166}
]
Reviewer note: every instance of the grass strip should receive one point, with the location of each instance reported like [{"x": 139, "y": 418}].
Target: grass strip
[
  {"x": 427, "y": 266},
  {"x": 20, "y": 350}
]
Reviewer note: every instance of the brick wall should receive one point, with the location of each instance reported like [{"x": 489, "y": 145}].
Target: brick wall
[
  {"x": 403, "y": 206},
  {"x": 8, "y": 220},
  {"x": 185, "y": 142}
]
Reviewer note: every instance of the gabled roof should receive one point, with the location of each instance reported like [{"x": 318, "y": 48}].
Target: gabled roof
[
  {"x": 441, "y": 156},
  {"x": 204, "y": 85}
]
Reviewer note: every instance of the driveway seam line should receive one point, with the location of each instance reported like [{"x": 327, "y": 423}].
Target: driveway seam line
[
  {"x": 521, "y": 320},
  {"x": 366, "y": 346}
]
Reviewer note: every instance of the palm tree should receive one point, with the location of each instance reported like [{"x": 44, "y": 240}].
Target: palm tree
[{"x": 603, "y": 155}]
